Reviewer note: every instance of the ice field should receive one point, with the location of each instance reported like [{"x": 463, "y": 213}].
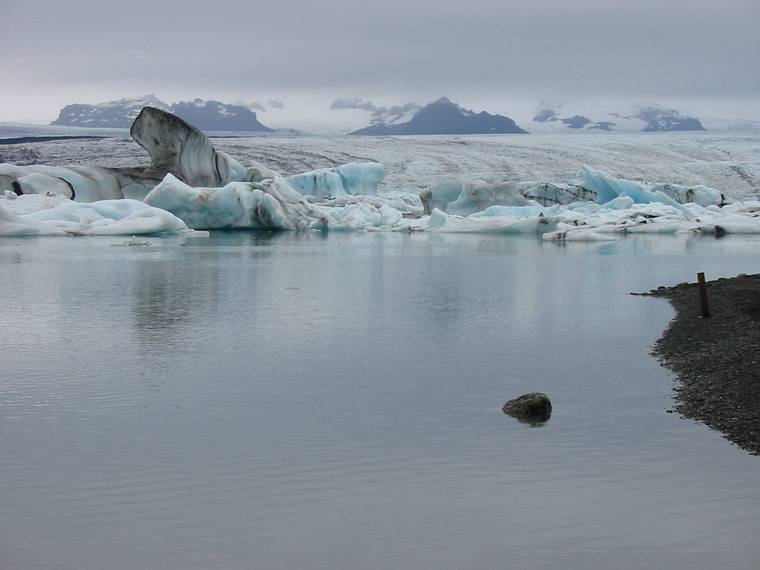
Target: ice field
[{"x": 562, "y": 187}]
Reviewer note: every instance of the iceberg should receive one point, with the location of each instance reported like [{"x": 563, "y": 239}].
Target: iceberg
[
  {"x": 505, "y": 224},
  {"x": 471, "y": 196},
  {"x": 174, "y": 146},
  {"x": 351, "y": 179},
  {"x": 267, "y": 205},
  {"x": 80, "y": 183},
  {"x": 37, "y": 215},
  {"x": 608, "y": 188},
  {"x": 178, "y": 148}
]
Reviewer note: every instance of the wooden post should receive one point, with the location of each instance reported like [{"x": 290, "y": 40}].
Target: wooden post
[{"x": 703, "y": 295}]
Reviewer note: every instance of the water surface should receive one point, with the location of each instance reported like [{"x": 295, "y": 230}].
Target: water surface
[{"x": 333, "y": 402}]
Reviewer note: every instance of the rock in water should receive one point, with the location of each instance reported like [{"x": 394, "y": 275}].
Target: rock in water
[
  {"x": 182, "y": 150},
  {"x": 534, "y": 408}
]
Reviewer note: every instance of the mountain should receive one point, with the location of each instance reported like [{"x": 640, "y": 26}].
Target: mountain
[
  {"x": 217, "y": 116},
  {"x": 442, "y": 117},
  {"x": 111, "y": 114},
  {"x": 204, "y": 115},
  {"x": 575, "y": 122},
  {"x": 646, "y": 119},
  {"x": 661, "y": 119}
]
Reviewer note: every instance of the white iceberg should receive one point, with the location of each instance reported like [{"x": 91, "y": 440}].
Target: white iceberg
[
  {"x": 81, "y": 183},
  {"x": 270, "y": 204},
  {"x": 517, "y": 224},
  {"x": 267, "y": 205},
  {"x": 56, "y": 216}
]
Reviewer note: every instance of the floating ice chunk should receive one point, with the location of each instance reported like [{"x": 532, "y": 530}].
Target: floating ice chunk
[
  {"x": 38, "y": 183},
  {"x": 361, "y": 178},
  {"x": 353, "y": 179},
  {"x": 477, "y": 196},
  {"x": 702, "y": 195},
  {"x": 321, "y": 183},
  {"x": 82, "y": 183},
  {"x": 468, "y": 197},
  {"x": 607, "y": 188},
  {"x": 407, "y": 203},
  {"x": 620, "y": 203},
  {"x": 450, "y": 223},
  {"x": 577, "y": 234},
  {"x": 106, "y": 217},
  {"x": 530, "y": 210},
  {"x": 359, "y": 216},
  {"x": 556, "y": 194},
  {"x": 465, "y": 198},
  {"x": 270, "y": 204}
]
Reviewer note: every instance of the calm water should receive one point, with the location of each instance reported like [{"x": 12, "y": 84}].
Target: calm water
[{"x": 333, "y": 402}]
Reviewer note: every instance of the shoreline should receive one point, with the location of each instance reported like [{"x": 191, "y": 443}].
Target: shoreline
[{"x": 716, "y": 360}]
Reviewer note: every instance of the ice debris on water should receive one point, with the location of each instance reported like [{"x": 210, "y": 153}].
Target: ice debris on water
[{"x": 189, "y": 184}]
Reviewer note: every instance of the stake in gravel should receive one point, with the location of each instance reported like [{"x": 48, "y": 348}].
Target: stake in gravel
[{"x": 703, "y": 295}]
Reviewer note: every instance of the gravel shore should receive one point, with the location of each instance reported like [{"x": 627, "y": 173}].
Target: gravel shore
[{"x": 717, "y": 359}]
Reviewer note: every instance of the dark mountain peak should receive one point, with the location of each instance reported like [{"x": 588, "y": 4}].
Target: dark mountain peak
[
  {"x": 664, "y": 119},
  {"x": 443, "y": 117}
]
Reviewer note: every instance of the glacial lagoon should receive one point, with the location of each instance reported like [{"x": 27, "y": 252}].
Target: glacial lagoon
[{"x": 333, "y": 401}]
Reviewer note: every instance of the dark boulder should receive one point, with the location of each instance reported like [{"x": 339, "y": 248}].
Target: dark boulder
[{"x": 534, "y": 408}]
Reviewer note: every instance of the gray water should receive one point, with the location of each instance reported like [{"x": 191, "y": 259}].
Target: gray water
[{"x": 333, "y": 402}]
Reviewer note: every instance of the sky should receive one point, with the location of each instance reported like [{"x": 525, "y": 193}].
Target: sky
[{"x": 500, "y": 55}]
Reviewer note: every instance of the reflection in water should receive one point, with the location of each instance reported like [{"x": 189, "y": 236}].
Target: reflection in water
[
  {"x": 162, "y": 296},
  {"x": 333, "y": 401}
]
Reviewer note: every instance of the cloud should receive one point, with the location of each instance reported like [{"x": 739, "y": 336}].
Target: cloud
[
  {"x": 471, "y": 51},
  {"x": 353, "y": 103},
  {"x": 379, "y": 114}
]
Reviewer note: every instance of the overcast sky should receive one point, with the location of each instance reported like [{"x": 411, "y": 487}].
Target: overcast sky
[{"x": 495, "y": 54}]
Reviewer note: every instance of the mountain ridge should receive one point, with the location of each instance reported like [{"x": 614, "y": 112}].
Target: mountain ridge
[{"x": 210, "y": 115}]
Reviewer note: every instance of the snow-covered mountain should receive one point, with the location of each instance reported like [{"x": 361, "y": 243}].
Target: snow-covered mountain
[
  {"x": 662, "y": 119},
  {"x": 217, "y": 116},
  {"x": 647, "y": 119},
  {"x": 206, "y": 115},
  {"x": 111, "y": 114},
  {"x": 442, "y": 117}
]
